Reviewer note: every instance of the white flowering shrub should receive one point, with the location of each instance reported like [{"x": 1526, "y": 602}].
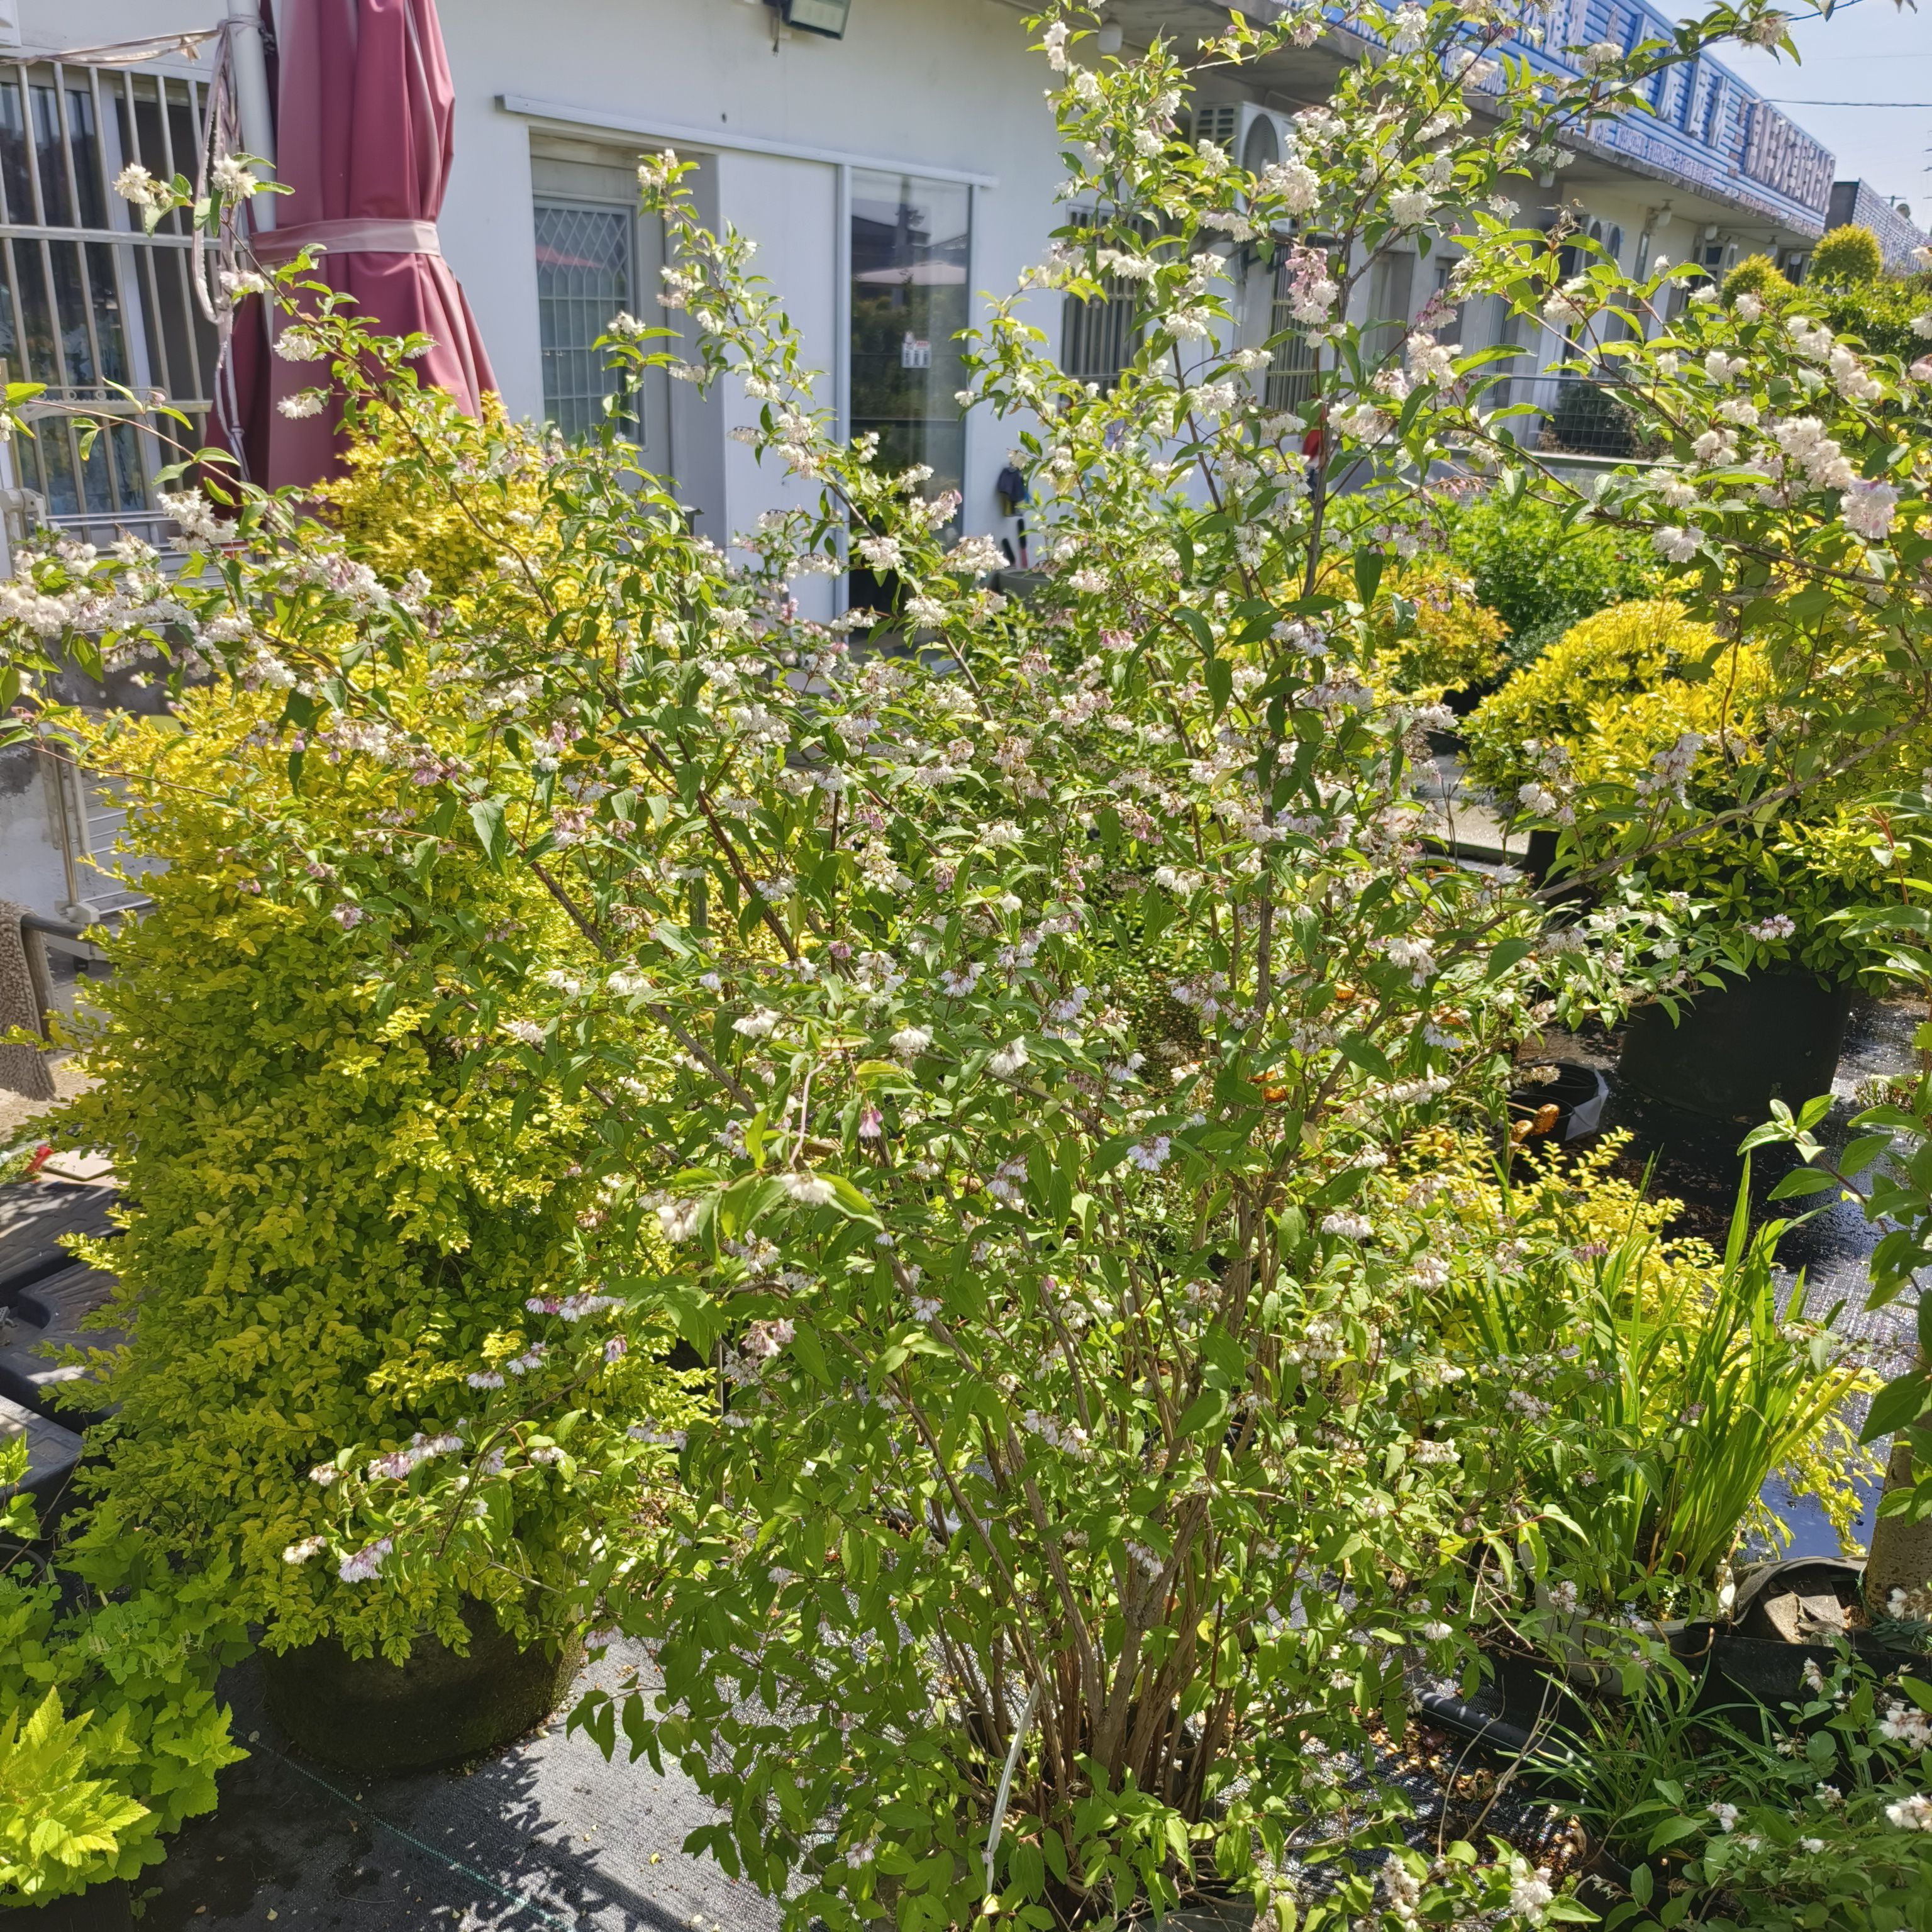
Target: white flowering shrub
[
  {"x": 1018, "y": 1025},
  {"x": 1820, "y": 1817}
]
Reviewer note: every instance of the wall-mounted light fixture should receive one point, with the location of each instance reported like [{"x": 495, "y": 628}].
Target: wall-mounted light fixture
[
  {"x": 826, "y": 18},
  {"x": 1108, "y": 40}
]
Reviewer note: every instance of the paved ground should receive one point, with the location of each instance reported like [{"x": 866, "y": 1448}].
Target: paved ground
[
  {"x": 1469, "y": 827},
  {"x": 543, "y": 1837}
]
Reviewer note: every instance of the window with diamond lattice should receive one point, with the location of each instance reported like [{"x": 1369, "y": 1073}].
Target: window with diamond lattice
[
  {"x": 587, "y": 273},
  {"x": 1294, "y": 365}
]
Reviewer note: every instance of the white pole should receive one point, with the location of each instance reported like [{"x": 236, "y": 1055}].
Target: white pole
[{"x": 251, "y": 97}]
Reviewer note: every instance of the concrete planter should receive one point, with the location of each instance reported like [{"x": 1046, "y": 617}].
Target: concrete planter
[{"x": 370, "y": 1716}]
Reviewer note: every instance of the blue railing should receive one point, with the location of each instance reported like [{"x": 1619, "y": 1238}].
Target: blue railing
[{"x": 1705, "y": 127}]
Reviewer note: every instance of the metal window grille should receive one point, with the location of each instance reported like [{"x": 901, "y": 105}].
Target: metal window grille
[
  {"x": 87, "y": 300},
  {"x": 1098, "y": 338},
  {"x": 1293, "y": 365},
  {"x": 586, "y": 274}
]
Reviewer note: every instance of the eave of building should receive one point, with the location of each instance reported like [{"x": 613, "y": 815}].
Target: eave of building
[{"x": 1294, "y": 78}]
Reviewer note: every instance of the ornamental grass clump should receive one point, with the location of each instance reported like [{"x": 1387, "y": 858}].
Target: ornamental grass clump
[
  {"x": 1657, "y": 1384},
  {"x": 1004, "y": 1038}
]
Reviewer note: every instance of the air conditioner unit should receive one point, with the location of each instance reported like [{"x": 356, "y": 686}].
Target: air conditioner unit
[{"x": 1255, "y": 136}]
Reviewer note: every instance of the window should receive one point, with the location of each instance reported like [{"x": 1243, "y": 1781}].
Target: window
[
  {"x": 86, "y": 299},
  {"x": 1391, "y": 289},
  {"x": 910, "y": 245},
  {"x": 1098, "y": 338},
  {"x": 1453, "y": 316},
  {"x": 586, "y": 274},
  {"x": 597, "y": 256},
  {"x": 1294, "y": 361},
  {"x": 1506, "y": 330}
]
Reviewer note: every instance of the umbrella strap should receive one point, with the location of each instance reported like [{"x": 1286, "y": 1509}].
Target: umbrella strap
[{"x": 369, "y": 235}]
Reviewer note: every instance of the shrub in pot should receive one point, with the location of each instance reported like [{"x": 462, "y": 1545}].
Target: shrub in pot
[
  {"x": 1438, "y": 639},
  {"x": 1542, "y": 570},
  {"x": 1648, "y": 713},
  {"x": 339, "y": 1215},
  {"x": 110, "y": 1734}
]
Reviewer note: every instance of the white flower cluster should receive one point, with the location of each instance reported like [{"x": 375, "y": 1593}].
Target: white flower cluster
[
  {"x": 134, "y": 184},
  {"x": 365, "y": 1563},
  {"x": 396, "y": 1464},
  {"x": 571, "y": 1307},
  {"x": 1911, "y": 1814},
  {"x": 1670, "y": 768},
  {"x": 1906, "y": 1724},
  {"x": 1067, "y": 1437}
]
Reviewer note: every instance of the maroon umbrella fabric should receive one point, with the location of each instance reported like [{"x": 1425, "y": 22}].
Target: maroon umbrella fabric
[{"x": 363, "y": 139}]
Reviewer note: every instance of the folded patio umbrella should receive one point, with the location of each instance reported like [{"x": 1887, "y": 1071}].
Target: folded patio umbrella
[{"x": 365, "y": 110}]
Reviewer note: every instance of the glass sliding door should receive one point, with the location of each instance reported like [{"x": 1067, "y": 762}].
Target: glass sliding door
[{"x": 911, "y": 251}]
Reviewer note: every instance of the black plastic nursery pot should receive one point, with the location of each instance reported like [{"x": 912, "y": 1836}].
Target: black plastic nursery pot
[
  {"x": 100, "y": 1908},
  {"x": 366, "y": 1714},
  {"x": 1737, "y": 1047},
  {"x": 1569, "y": 1106}
]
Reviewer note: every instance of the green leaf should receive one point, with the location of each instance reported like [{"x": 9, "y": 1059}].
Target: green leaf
[
  {"x": 1368, "y": 573},
  {"x": 1207, "y": 1412},
  {"x": 1863, "y": 1152},
  {"x": 1506, "y": 955},
  {"x": 1352, "y": 1046},
  {"x": 486, "y": 815},
  {"x": 1198, "y": 625},
  {"x": 1671, "y": 1830},
  {"x": 805, "y": 1345},
  {"x": 1803, "y": 1180},
  {"x": 1220, "y": 676},
  {"x": 1896, "y": 1405}
]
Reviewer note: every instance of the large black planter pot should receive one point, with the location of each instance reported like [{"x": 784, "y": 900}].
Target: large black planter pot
[
  {"x": 1737, "y": 1047},
  {"x": 370, "y": 1716},
  {"x": 100, "y": 1908}
]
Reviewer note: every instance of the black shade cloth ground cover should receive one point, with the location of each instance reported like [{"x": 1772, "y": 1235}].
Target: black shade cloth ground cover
[{"x": 542, "y": 1836}]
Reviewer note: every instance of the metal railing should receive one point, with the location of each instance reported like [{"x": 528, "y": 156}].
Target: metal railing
[
  {"x": 1579, "y": 415},
  {"x": 88, "y": 814},
  {"x": 87, "y": 300}
]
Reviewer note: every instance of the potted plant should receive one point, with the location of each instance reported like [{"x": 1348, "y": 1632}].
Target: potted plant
[
  {"x": 1649, "y": 715},
  {"x": 110, "y": 1734},
  {"x": 1042, "y": 1041},
  {"x": 343, "y": 1224}
]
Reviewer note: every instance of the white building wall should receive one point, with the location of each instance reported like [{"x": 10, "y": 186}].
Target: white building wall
[{"x": 917, "y": 86}]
